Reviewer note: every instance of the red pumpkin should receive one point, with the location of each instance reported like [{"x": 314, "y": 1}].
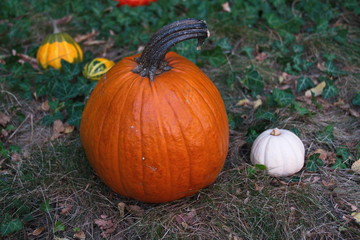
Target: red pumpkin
[
  {"x": 155, "y": 127},
  {"x": 134, "y": 3}
]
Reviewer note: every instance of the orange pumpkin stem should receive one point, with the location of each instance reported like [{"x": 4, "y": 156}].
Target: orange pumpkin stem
[{"x": 151, "y": 62}]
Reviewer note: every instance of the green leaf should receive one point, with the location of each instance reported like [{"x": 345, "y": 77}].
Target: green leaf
[
  {"x": 314, "y": 162},
  {"x": 356, "y": 100},
  {"x": 261, "y": 115},
  {"x": 304, "y": 83},
  {"x": 59, "y": 226},
  {"x": 260, "y": 167},
  {"x": 326, "y": 135},
  {"x": 296, "y": 131},
  {"x": 330, "y": 91},
  {"x": 339, "y": 164},
  {"x": 253, "y": 81},
  {"x": 248, "y": 51},
  {"x": 45, "y": 206},
  {"x": 64, "y": 90},
  {"x": 332, "y": 70},
  {"x": 283, "y": 98},
  {"x": 12, "y": 226},
  {"x": 301, "y": 110}
]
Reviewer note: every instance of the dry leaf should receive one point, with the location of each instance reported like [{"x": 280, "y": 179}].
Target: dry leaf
[
  {"x": 25, "y": 58},
  {"x": 63, "y": 20},
  {"x": 257, "y": 103},
  {"x": 121, "y": 206},
  {"x": 284, "y": 76},
  {"x": 136, "y": 210},
  {"x": 58, "y": 128},
  {"x": 321, "y": 66},
  {"x": 317, "y": 90},
  {"x": 356, "y": 216},
  {"x": 186, "y": 218},
  {"x": 80, "y": 38},
  {"x": 243, "y": 102},
  {"x": 79, "y": 235},
  {"x": 4, "y": 133},
  {"x": 4, "y": 119},
  {"x": 354, "y": 113},
  {"x": 15, "y": 157},
  {"x": 94, "y": 42},
  {"x": 107, "y": 226},
  {"x": 259, "y": 188},
  {"x": 246, "y": 102},
  {"x": 261, "y": 56},
  {"x": 226, "y": 7},
  {"x": 45, "y": 106},
  {"x": 68, "y": 128},
  {"x": 356, "y": 166},
  {"x": 329, "y": 183},
  {"x": 38, "y": 231}
]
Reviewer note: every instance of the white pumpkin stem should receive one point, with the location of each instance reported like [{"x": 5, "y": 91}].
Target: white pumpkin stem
[{"x": 275, "y": 132}]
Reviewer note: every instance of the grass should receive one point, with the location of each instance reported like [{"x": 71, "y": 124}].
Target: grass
[{"x": 49, "y": 191}]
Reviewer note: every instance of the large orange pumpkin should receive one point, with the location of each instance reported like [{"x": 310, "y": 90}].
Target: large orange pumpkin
[{"x": 155, "y": 127}]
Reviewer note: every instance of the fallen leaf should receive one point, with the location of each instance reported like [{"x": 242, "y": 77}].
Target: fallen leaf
[
  {"x": 356, "y": 166},
  {"x": 317, "y": 90},
  {"x": 259, "y": 188},
  {"x": 136, "y": 210},
  {"x": 58, "y": 128},
  {"x": 283, "y": 77},
  {"x": 84, "y": 37},
  {"x": 79, "y": 235},
  {"x": 25, "y": 58},
  {"x": 186, "y": 218},
  {"x": 246, "y": 102},
  {"x": 16, "y": 157},
  {"x": 66, "y": 209},
  {"x": 4, "y": 119},
  {"x": 321, "y": 66},
  {"x": 354, "y": 113},
  {"x": 107, "y": 227},
  {"x": 121, "y": 206},
  {"x": 257, "y": 103},
  {"x": 45, "y": 106},
  {"x": 63, "y": 20},
  {"x": 243, "y": 102},
  {"x": 226, "y": 7},
  {"x": 38, "y": 231},
  {"x": 93, "y": 42},
  {"x": 261, "y": 56},
  {"x": 4, "y": 133},
  {"x": 329, "y": 183},
  {"x": 356, "y": 216},
  {"x": 68, "y": 128}
]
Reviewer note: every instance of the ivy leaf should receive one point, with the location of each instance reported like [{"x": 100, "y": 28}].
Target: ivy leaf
[
  {"x": 304, "y": 83},
  {"x": 12, "y": 226},
  {"x": 253, "y": 81},
  {"x": 64, "y": 90},
  {"x": 339, "y": 164},
  {"x": 301, "y": 110},
  {"x": 330, "y": 91},
  {"x": 356, "y": 99},
  {"x": 283, "y": 98},
  {"x": 261, "y": 115}
]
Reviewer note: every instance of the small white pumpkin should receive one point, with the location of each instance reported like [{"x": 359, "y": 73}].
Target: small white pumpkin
[{"x": 280, "y": 150}]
